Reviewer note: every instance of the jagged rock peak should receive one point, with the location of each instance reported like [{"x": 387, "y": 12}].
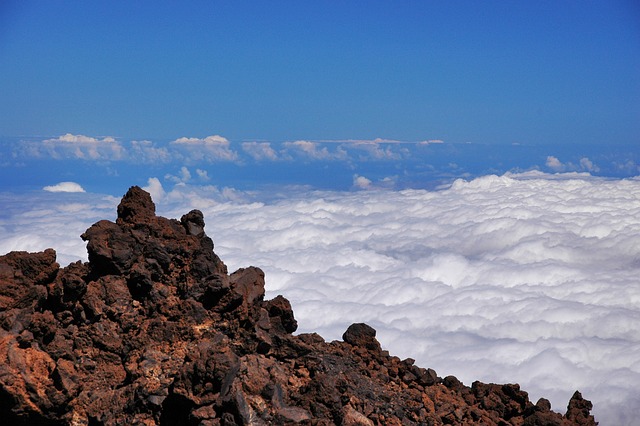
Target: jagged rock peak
[{"x": 136, "y": 206}]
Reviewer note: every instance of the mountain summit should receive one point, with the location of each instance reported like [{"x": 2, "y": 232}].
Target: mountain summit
[{"x": 154, "y": 331}]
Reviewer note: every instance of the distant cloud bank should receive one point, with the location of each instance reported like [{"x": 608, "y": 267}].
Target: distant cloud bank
[{"x": 324, "y": 164}]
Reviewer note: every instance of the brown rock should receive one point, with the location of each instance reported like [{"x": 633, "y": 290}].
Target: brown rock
[
  {"x": 136, "y": 207},
  {"x": 351, "y": 417},
  {"x": 578, "y": 410},
  {"x": 361, "y": 334}
]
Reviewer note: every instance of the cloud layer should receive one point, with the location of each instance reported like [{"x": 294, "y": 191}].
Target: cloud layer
[{"x": 529, "y": 278}]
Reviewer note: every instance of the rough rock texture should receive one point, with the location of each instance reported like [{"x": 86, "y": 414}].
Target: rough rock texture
[{"x": 153, "y": 330}]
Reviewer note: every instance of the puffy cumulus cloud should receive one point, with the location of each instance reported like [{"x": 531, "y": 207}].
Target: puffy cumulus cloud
[
  {"x": 260, "y": 151},
  {"x": 554, "y": 164},
  {"x": 79, "y": 139},
  {"x": 361, "y": 182},
  {"x": 64, "y": 187},
  {"x": 313, "y": 151},
  {"x": 584, "y": 165},
  {"x": 528, "y": 278},
  {"x": 154, "y": 187},
  {"x": 79, "y": 147},
  {"x": 211, "y": 148}
]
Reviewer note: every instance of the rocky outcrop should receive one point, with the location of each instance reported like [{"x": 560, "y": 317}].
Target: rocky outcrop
[{"x": 154, "y": 331}]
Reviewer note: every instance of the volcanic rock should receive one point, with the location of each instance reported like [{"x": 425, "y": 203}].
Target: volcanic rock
[{"x": 154, "y": 331}]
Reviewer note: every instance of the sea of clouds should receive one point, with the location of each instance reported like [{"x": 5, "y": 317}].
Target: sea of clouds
[{"x": 530, "y": 278}]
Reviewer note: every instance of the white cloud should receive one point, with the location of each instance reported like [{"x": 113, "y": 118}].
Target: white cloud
[
  {"x": 183, "y": 177},
  {"x": 80, "y": 139},
  {"x": 33, "y": 223},
  {"x": 203, "y": 175},
  {"x": 64, "y": 187},
  {"x": 361, "y": 182},
  {"x": 260, "y": 151},
  {"x": 80, "y": 147},
  {"x": 528, "y": 278},
  {"x": 147, "y": 152},
  {"x": 587, "y": 165},
  {"x": 154, "y": 187},
  {"x": 584, "y": 165},
  {"x": 374, "y": 150},
  {"x": 348, "y": 149},
  {"x": 215, "y": 140},
  {"x": 627, "y": 167},
  {"x": 431, "y": 142},
  {"x": 554, "y": 164},
  {"x": 211, "y": 148},
  {"x": 314, "y": 150}
]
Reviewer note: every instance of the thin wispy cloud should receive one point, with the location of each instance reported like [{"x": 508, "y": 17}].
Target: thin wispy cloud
[
  {"x": 374, "y": 150},
  {"x": 359, "y": 141},
  {"x": 203, "y": 175},
  {"x": 431, "y": 142},
  {"x": 147, "y": 152},
  {"x": 183, "y": 176}
]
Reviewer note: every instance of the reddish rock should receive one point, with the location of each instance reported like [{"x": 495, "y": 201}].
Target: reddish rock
[
  {"x": 361, "y": 335},
  {"x": 154, "y": 331},
  {"x": 578, "y": 410}
]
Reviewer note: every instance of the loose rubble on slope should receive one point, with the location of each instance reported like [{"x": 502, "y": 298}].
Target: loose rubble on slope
[{"x": 154, "y": 331}]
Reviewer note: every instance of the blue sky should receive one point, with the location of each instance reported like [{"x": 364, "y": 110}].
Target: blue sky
[
  {"x": 554, "y": 72},
  {"x": 330, "y": 95}
]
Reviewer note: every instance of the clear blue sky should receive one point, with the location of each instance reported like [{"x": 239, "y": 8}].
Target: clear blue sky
[{"x": 461, "y": 71}]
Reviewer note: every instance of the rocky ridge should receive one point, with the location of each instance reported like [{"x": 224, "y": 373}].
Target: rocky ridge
[{"x": 154, "y": 331}]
